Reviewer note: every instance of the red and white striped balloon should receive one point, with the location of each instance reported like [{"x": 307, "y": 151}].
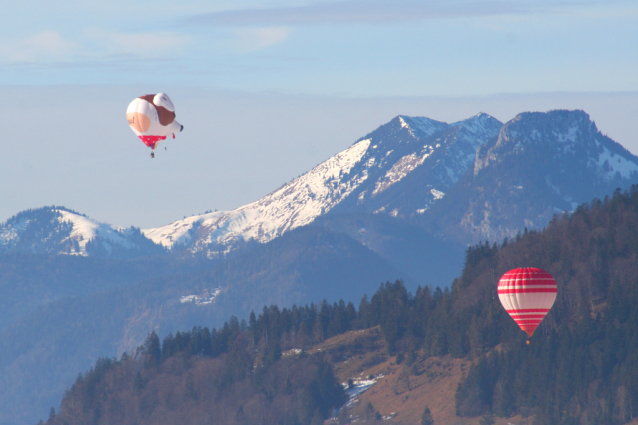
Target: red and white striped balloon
[{"x": 527, "y": 294}]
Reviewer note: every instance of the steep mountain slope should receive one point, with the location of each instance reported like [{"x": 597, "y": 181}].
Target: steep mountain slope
[
  {"x": 366, "y": 177},
  {"x": 293, "y": 205},
  {"x": 414, "y": 161},
  {"x": 541, "y": 164},
  {"x": 58, "y": 230}
]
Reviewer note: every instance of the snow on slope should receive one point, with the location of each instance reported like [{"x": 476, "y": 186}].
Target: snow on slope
[
  {"x": 349, "y": 180},
  {"x": 57, "y": 230},
  {"x": 180, "y": 231},
  {"x": 295, "y": 204},
  {"x": 612, "y": 165},
  {"x": 427, "y": 156},
  {"x": 399, "y": 170},
  {"x": 85, "y": 229}
]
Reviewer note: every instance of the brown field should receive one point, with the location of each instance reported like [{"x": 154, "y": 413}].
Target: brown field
[{"x": 402, "y": 391}]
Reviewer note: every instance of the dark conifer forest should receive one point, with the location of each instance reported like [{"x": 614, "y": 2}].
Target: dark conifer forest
[{"x": 581, "y": 367}]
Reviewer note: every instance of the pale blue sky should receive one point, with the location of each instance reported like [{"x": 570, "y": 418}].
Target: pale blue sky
[
  {"x": 267, "y": 89},
  {"x": 352, "y": 47}
]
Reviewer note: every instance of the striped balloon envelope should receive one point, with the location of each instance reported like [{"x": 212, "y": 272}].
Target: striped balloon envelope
[{"x": 527, "y": 294}]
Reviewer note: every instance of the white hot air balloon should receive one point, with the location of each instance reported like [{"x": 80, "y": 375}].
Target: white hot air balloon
[{"x": 152, "y": 119}]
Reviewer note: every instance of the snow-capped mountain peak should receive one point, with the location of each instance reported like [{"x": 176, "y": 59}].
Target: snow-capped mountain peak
[
  {"x": 356, "y": 179},
  {"x": 411, "y": 167},
  {"x": 420, "y": 127}
]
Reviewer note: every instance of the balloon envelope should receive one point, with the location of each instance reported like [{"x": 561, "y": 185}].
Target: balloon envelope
[
  {"x": 527, "y": 294},
  {"x": 152, "y": 118}
]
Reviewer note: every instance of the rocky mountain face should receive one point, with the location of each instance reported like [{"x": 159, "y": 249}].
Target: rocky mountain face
[
  {"x": 400, "y": 169},
  {"x": 412, "y": 162},
  {"x": 540, "y": 165}
]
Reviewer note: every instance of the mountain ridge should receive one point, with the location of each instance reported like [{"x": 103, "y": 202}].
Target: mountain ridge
[
  {"x": 372, "y": 164},
  {"x": 540, "y": 165},
  {"x": 458, "y": 180}
]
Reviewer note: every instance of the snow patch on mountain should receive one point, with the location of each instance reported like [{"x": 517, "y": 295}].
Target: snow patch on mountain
[
  {"x": 295, "y": 204},
  {"x": 611, "y": 165},
  {"x": 180, "y": 231},
  {"x": 12, "y": 233},
  {"x": 85, "y": 229},
  {"x": 60, "y": 231},
  {"x": 399, "y": 170},
  {"x": 421, "y": 127},
  {"x": 206, "y": 298},
  {"x": 437, "y": 194}
]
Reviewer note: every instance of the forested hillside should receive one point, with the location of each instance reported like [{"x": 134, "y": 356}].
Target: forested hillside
[
  {"x": 582, "y": 365},
  {"x": 236, "y": 374}
]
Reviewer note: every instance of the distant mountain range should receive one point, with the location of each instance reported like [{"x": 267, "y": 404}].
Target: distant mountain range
[{"x": 467, "y": 181}]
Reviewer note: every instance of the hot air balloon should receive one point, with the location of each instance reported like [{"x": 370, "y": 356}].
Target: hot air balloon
[
  {"x": 152, "y": 119},
  {"x": 527, "y": 294}
]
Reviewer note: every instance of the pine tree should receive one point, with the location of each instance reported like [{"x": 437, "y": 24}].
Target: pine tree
[
  {"x": 152, "y": 350},
  {"x": 252, "y": 326},
  {"x": 240, "y": 416},
  {"x": 426, "y": 419},
  {"x": 51, "y": 415}
]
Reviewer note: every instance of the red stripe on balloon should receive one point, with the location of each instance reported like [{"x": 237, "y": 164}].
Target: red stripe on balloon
[
  {"x": 529, "y": 279},
  {"x": 526, "y": 290}
]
